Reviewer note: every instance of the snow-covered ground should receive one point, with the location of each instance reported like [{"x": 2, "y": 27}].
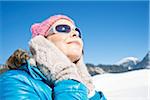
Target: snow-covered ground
[{"x": 134, "y": 85}]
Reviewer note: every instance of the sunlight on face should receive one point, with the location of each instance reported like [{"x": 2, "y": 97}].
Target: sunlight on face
[{"x": 69, "y": 43}]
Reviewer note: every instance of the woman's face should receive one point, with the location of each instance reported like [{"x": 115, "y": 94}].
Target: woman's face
[{"x": 69, "y": 43}]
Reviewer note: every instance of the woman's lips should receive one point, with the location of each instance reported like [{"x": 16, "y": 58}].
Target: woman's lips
[{"x": 73, "y": 42}]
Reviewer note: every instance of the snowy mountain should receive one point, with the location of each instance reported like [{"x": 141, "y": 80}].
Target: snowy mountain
[
  {"x": 128, "y": 62},
  {"x": 132, "y": 85},
  {"x": 133, "y": 63},
  {"x": 128, "y": 59},
  {"x": 124, "y": 65},
  {"x": 145, "y": 63},
  {"x": 3, "y": 68}
]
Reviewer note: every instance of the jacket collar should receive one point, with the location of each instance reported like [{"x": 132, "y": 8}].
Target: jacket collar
[{"x": 34, "y": 72}]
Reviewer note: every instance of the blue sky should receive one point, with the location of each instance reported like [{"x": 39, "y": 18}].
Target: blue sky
[{"x": 111, "y": 30}]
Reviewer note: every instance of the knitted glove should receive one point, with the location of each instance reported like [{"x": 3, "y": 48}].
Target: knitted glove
[
  {"x": 51, "y": 61},
  {"x": 85, "y": 76}
]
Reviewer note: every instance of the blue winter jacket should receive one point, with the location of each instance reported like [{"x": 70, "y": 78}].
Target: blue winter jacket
[{"x": 29, "y": 83}]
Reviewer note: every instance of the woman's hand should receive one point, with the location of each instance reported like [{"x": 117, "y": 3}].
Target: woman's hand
[
  {"x": 70, "y": 72},
  {"x": 51, "y": 61}
]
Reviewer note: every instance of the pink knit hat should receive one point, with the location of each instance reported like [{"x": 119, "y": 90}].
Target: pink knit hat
[{"x": 43, "y": 27}]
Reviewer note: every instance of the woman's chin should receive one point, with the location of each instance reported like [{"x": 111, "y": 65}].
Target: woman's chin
[{"x": 74, "y": 56}]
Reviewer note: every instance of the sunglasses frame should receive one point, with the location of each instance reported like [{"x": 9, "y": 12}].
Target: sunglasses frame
[{"x": 53, "y": 30}]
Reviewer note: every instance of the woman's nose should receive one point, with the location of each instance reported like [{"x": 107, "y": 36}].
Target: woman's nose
[{"x": 73, "y": 34}]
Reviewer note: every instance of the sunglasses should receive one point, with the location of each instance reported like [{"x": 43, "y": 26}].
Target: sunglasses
[{"x": 63, "y": 28}]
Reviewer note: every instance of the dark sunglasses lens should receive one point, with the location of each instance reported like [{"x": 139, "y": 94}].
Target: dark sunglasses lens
[
  {"x": 63, "y": 28},
  {"x": 78, "y": 32}
]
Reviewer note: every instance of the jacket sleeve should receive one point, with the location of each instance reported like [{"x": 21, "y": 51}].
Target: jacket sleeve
[
  {"x": 98, "y": 96},
  {"x": 70, "y": 90},
  {"x": 16, "y": 86}
]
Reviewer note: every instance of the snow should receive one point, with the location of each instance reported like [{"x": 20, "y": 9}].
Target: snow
[
  {"x": 134, "y": 85},
  {"x": 127, "y": 59}
]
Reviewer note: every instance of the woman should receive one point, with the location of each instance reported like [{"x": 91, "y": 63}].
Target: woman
[{"x": 55, "y": 70}]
